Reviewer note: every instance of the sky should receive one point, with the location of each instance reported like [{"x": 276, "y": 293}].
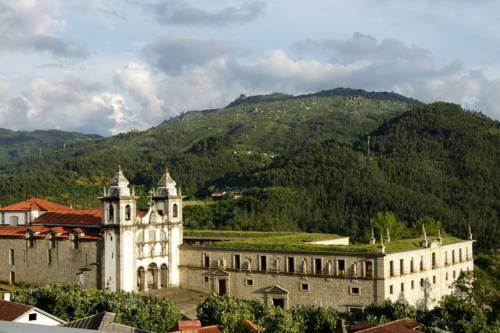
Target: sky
[{"x": 106, "y": 66}]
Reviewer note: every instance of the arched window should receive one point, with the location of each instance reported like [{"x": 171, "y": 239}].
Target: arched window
[
  {"x": 128, "y": 212},
  {"x": 110, "y": 212},
  {"x": 175, "y": 210}
]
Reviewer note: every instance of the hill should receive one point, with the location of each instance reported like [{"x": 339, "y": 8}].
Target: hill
[
  {"x": 435, "y": 162},
  {"x": 203, "y": 148},
  {"x": 301, "y": 162},
  {"x": 17, "y": 144}
]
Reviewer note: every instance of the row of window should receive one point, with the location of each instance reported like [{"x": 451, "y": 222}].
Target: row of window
[
  {"x": 303, "y": 286},
  {"x": 435, "y": 265},
  {"x": 291, "y": 266},
  {"x": 128, "y": 212},
  {"x": 422, "y": 282},
  {"x": 75, "y": 243}
]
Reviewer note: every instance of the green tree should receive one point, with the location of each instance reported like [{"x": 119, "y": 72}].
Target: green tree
[{"x": 70, "y": 302}]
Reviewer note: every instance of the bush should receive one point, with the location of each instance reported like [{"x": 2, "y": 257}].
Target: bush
[{"x": 70, "y": 302}]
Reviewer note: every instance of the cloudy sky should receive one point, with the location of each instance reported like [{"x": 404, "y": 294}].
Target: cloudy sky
[{"x": 106, "y": 66}]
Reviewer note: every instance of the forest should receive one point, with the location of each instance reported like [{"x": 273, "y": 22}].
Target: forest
[{"x": 325, "y": 162}]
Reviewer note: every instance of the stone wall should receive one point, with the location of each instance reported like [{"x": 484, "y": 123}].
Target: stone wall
[
  {"x": 352, "y": 288},
  {"x": 31, "y": 264}
]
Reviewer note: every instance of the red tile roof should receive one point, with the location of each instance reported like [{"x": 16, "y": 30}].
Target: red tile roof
[
  {"x": 35, "y": 204},
  {"x": 188, "y": 324},
  {"x": 397, "y": 326},
  {"x": 10, "y": 311},
  {"x": 40, "y": 231},
  {"x": 87, "y": 217}
]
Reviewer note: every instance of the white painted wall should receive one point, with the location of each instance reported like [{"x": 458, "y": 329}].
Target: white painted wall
[
  {"x": 127, "y": 257},
  {"x": 110, "y": 254},
  {"x": 174, "y": 241},
  {"x": 433, "y": 291},
  {"x": 334, "y": 241},
  {"x": 41, "y": 319}
]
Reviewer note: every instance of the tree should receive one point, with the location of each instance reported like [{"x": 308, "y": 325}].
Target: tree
[
  {"x": 70, "y": 302},
  {"x": 384, "y": 221},
  {"x": 455, "y": 314}
]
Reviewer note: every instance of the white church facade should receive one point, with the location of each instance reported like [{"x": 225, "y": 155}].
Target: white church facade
[{"x": 123, "y": 248}]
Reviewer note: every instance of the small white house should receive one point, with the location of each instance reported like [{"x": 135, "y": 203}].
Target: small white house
[{"x": 27, "y": 314}]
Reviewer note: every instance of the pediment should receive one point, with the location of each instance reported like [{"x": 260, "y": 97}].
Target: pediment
[
  {"x": 276, "y": 290},
  {"x": 217, "y": 272}
]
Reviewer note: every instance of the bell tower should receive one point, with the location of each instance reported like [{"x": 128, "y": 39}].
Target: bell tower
[
  {"x": 118, "y": 220},
  {"x": 168, "y": 201}
]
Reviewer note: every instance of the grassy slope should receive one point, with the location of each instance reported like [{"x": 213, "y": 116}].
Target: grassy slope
[{"x": 257, "y": 130}]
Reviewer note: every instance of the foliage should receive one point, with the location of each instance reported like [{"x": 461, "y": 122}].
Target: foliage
[
  {"x": 388, "y": 222},
  {"x": 316, "y": 319},
  {"x": 383, "y": 313},
  {"x": 454, "y": 314},
  {"x": 301, "y": 164},
  {"x": 70, "y": 302}
]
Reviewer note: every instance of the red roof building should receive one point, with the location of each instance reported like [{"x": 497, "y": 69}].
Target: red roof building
[
  {"x": 396, "y": 326},
  {"x": 22, "y": 313},
  {"x": 34, "y": 204}
]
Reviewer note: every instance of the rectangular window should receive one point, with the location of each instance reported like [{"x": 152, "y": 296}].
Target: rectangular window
[
  {"x": 402, "y": 287},
  {"x": 446, "y": 257},
  {"x": 263, "y": 263},
  {"x": 291, "y": 265},
  {"x": 401, "y": 267},
  {"x": 12, "y": 278},
  {"x": 318, "y": 265},
  {"x": 206, "y": 261},
  {"x": 304, "y": 286},
  {"x": 453, "y": 256},
  {"x": 249, "y": 282},
  {"x": 341, "y": 267},
  {"x": 391, "y": 268},
  {"x": 369, "y": 269},
  {"x": 412, "y": 265},
  {"x": 32, "y": 317},
  {"x": 421, "y": 263},
  {"x": 355, "y": 290},
  {"x": 391, "y": 289},
  {"x": 11, "y": 257},
  {"x": 434, "y": 279},
  {"x": 237, "y": 261},
  {"x": 421, "y": 282},
  {"x": 49, "y": 256},
  {"x": 446, "y": 276},
  {"x": 454, "y": 274},
  {"x": 205, "y": 279},
  {"x": 412, "y": 284},
  {"x": 460, "y": 255},
  {"x": 434, "y": 263}
]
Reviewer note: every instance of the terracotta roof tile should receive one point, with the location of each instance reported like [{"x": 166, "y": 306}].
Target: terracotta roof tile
[
  {"x": 9, "y": 311},
  {"x": 71, "y": 217},
  {"x": 396, "y": 326},
  {"x": 41, "y": 231},
  {"x": 34, "y": 204}
]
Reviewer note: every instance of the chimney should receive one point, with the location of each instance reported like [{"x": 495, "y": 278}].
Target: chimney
[{"x": 6, "y": 296}]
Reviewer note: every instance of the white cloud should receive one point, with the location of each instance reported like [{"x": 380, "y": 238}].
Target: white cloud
[
  {"x": 31, "y": 25},
  {"x": 358, "y": 62},
  {"x": 69, "y": 104},
  {"x": 137, "y": 80}
]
